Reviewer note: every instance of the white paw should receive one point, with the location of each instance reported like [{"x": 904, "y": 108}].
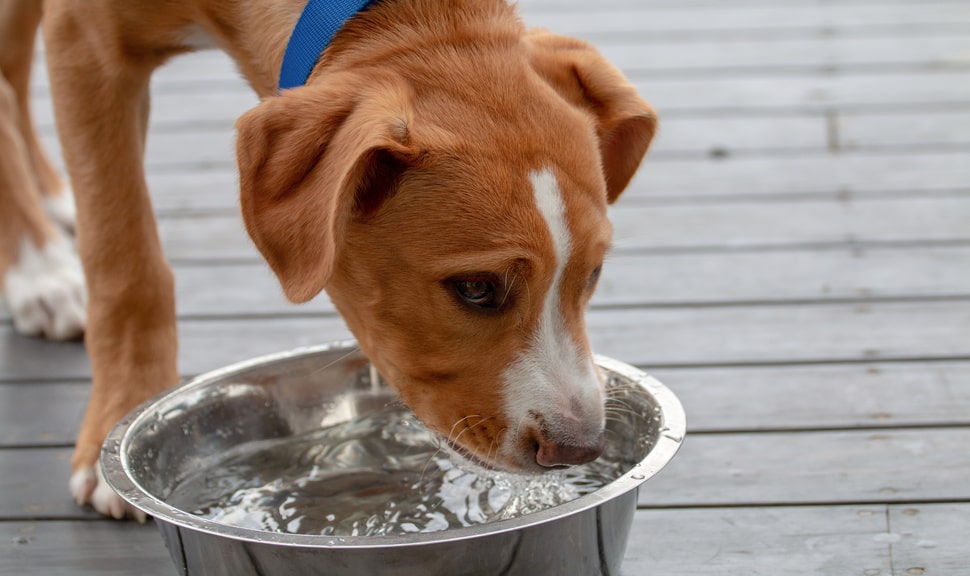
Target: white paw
[
  {"x": 61, "y": 209},
  {"x": 44, "y": 290},
  {"x": 88, "y": 486}
]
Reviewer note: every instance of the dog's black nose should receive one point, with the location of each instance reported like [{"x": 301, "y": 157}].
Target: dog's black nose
[{"x": 553, "y": 453}]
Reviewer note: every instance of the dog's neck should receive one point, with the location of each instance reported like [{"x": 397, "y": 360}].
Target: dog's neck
[
  {"x": 385, "y": 30},
  {"x": 319, "y": 22}
]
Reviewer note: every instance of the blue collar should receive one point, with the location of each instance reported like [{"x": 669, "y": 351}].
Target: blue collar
[{"x": 321, "y": 19}]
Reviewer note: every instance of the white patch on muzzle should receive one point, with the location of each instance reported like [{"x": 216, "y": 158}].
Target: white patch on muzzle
[{"x": 552, "y": 378}]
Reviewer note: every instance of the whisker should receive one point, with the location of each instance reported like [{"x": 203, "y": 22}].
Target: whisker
[
  {"x": 459, "y": 422},
  {"x": 494, "y": 444},
  {"x": 443, "y": 445},
  {"x": 619, "y": 410},
  {"x": 473, "y": 426}
]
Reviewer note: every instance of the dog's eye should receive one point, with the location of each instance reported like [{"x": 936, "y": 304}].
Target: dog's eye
[
  {"x": 477, "y": 291},
  {"x": 595, "y": 276}
]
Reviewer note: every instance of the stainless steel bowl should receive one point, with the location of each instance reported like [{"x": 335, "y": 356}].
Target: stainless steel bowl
[{"x": 181, "y": 431}]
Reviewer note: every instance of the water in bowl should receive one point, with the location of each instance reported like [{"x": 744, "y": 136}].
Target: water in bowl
[{"x": 377, "y": 475}]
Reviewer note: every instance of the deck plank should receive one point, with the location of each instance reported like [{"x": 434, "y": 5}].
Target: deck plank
[
  {"x": 759, "y": 542},
  {"x": 782, "y": 18},
  {"x": 720, "y": 335},
  {"x": 932, "y": 539},
  {"x": 818, "y": 467},
  {"x": 200, "y": 188},
  {"x": 41, "y": 413},
  {"x": 213, "y": 144},
  {"x": 669, "y": 227},
  {"x": 909, "y": 129},
  {"x": 806, "y": 91},
  {"x": 757, "y": 276},
  {"x": 784, "y": 333},
  {"x": 827, "y": 396},
  {"x": 794, "y": 90},
  {"x": 673, "y": 279},
  {"x": 730, "y": 469},
  {"x": 792, "y": 541},
  {"x": 720, "y": 58},
  {"x": 82, "y": 548},
  {"x": 843, "y": 175},
  {"x": 740, "y": 399}
]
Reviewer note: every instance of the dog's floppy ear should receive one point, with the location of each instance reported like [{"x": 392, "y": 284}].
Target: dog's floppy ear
[
  {"x": 625, "y": 123},
  {"x": 310, "y": 159}
]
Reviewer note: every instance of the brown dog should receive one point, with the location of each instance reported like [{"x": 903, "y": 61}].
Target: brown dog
[{"x": 444, "y": 174}]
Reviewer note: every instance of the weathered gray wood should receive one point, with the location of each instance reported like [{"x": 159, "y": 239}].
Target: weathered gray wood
[
  {"x": 833, "y": 540},
  {"x": 224, "y": 100},
  {"x": 826, "y": 53},
  {"x": 215, "y": 146},
  {"x": 34, "y": 485},
  {"x": 606, "y": 24},
  {"x": 876, "y": 395},
  {"x": 654, "y": 279},
  {"x": 749, "y": 134},
  {"x": 237, "y": 290},
  {"x": 667, "y": 227},
  {"x": 621, "y": 37},
  {"x": 904, "y": 129},
  {"x": 711, "y": 470},
  {"x": 808, "y": 92},
  {"x": 201, "y": 148},
  {"x": 757, "y": 223},
  {"x": 209, "y": 238},
  {"x": 698, "y": 5},
  {"x": 930, "y": 539},
  {"x": 742, "y": 399},
  {"x": 32, "y": 358},
  {"x": 845, "y": 175},
  {"x": 815, "y": 468},
  {"x": 792, "y": 333},
  {"x": 825, "y": 540},
  {"x": 38, "y": 414},
  {"x": 675, "y": 20},
  {"x": 88, "y": 548},
  {"x": 680, "y": 336}
]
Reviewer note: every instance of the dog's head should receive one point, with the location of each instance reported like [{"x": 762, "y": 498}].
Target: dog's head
[{"x": 457, "y": 217}]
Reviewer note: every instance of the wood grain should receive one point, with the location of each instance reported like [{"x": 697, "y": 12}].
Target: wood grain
[
  {"x": 815, "y": 468},
  {"x": 780, "y": 541},
  {"x": 932, "y": 539},
  {"x": 676, "y": 227}
]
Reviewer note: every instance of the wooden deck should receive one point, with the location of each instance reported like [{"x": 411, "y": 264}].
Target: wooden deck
[{"x": 793, "y": 261}]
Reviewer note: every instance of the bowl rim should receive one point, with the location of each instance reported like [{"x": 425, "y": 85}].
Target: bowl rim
[{"x": 117, "y": 472}]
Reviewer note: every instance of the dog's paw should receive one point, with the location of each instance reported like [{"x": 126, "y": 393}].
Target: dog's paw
[
  {"x": 88, "y": 486},
  {"x": 60, "y": 208},
  {"x": 44, "y": 290}
]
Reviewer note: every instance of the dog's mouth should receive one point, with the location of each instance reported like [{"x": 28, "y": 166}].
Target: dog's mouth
[
  {"x": 471, "y": 457},
  {"x": 507, "y": 466}
]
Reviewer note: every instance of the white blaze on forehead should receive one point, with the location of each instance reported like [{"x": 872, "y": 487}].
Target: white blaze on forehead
[
  {"x": 549, "y": 200},
  {"x": 551, "y": 376}
]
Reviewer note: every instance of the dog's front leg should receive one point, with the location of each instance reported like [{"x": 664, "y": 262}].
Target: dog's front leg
[
  {"x": 40, "y": 275},
  {"x": 100, "y": 89}
]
